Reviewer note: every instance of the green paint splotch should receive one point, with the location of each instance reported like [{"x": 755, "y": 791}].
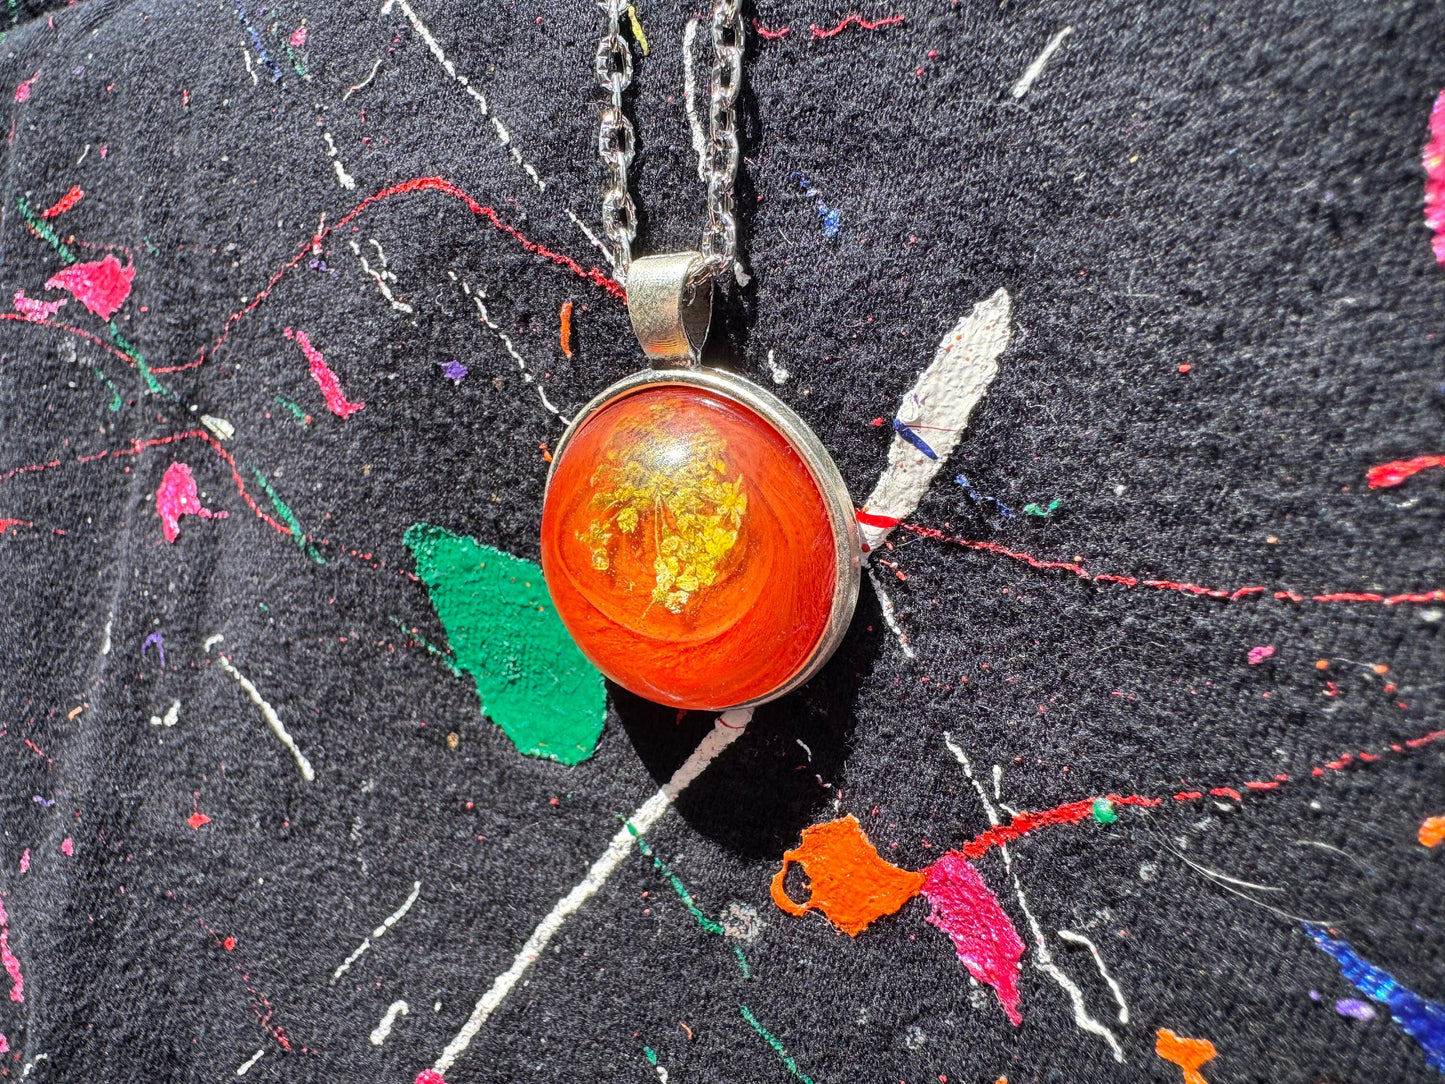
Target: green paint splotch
[{"x": 502, "y": 629}]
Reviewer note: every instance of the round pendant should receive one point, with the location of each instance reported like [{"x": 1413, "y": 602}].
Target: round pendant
[{"x": 698, "y": 541}]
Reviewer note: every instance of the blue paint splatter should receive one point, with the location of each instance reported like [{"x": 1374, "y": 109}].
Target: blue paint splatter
[
  {"x": 256, "y": 41},
  {"x": 159, "y": 640},
  {"x": 831, "y": 217},
  {"x": 901, "y": 428},
  {"x": 979, "y": 498},
  {"x": 1422, "y": 1020},
  {"x": 453, "y": 370}
]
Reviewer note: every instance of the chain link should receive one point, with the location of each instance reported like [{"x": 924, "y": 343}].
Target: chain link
[{"x": 720, "y": 163}]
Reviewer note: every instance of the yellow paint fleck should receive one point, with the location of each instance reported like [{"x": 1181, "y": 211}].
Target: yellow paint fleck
[{"x": 637, "y": 29}]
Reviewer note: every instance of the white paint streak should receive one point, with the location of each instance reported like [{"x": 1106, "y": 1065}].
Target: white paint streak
[
  {"x": 267, "y": 712},
  {"x": 1043, "y": 959},
  {"x": 1080, "y": 939},
  {"x": 211, "y": 641},
  {"x": 245, "y": 1066},
  {"x": 396, "y": 917},
  {"x": 383, "y": 1029},
  {"x": 593, "y": 239},
  {"x": 890, "y": 616},
  {"x": 780, "y": 375},
  {"x": 105, "y": 643},
  {"x": 504, "y": 137},
  {"x": 689, "y": 99},
  {"x": 173, "y": 714},
  {"x": 380, "y": 277},
  {"x": 1034, "y": 70},
  {"x": 347, "y": 180},
  {"x": 251, "y": 71},
  {"x": 729, "y": 726},
  {"x": 219, "y": 427},
  {"x": 526, "y": 370},
  {"x": 83, "y": 154},
  {"x": 365, "y": 82},
  {"x": 937, "y": 409}
]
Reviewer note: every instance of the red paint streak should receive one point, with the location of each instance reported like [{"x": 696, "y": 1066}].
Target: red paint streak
[
  {"x": 854, "y": 20},
  {"x": 6, "y": 524},
  {"x": 1255, "y": 785},
  {"x": 101, "y": 287},
  {"x": 177, "y": 497},
  {"x": 1392, "y": 474},
  {"x": 1188, "y": 795},
  {"x": 37, "y": 750},
  {"x": 871, "y": 520},
  {"x": 1436, "y": 595},
  {"x": 324, "y": 377},
  {"x": 1227, "y": 792},
  {"x": 95, "y": 339},
  {"x": 771, "y": 35},
  {"x": 982, "y": 933},
  {"x": 1023, "y": 823},
  {"x": 258, "y": 1000},
  {"x": 418, "y": 184},
  {"x": 1433, "y": 156},
  {"x": 65, "y": 203},
  {"x": 22, "y": 92}
]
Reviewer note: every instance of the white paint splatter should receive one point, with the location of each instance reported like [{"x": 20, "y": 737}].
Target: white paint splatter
[
  {"x": 729, "y": 726},
  {"x": 245, "y": 1066},
  {"x": 395, "y": 917},
  {"x": 937, "y": 409},
  {"x": 1034, "y": 70},
  {"x": 211, "y": 641},
  {"x": 890, "y": 615},
  {"x": 689, "y": 99},
  {"x": 348, "y": 182},
  {"x": 779, "y": 374},
  {"x": 526, "y": 370},
  {"x": 251, "y": 71},
  {"x": 1080, "y": 939},
  {"x": 383, "y": 1029},
  {"x": 593, "y": 239},
  {"x": 365, "y": 82},
  {"x": 267, "y": 712},
  {"x": 380, "y": 277},
  {"x": 504, "y": 137},
  {"x": 83, "y": 154},
  {"x": 219, "y": 427},
  {"x": 105, "y": 643},
  {"x": 172, "y": 716}
]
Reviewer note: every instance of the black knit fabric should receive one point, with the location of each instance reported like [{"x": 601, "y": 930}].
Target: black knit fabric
[{"x": 1233, "y": 187}]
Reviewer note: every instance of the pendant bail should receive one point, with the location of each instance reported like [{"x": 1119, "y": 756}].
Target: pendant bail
[{"x": 669, "y": 316}]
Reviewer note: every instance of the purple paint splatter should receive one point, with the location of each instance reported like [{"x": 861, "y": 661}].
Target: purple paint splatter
[
  {"x": 453, "y": 370},
  {"x": 160, "y": 642},
  {"x": 1354, "y": 1008}
]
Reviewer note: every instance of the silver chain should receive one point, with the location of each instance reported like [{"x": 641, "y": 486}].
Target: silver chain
[{"x": 615, "y": 142}]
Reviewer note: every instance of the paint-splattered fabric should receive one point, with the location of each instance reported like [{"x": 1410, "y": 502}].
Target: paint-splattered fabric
[{"x": 268, "y": 774}]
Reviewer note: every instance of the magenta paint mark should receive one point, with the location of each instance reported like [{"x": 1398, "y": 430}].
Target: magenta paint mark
[
  {"x": 34, "y": 309},
  {"x": 101, "y": 286},
  {"x": 324, "y": 377},
  {"x": 7, "y": 958},
  {"x": 430, "y": 1076},
  {"x": 160, "y": 642},
  {"x": 982, "y": 933},
  {"x": 25, "y": 861},
  {"x": 68, "y": 846},
  {"x": 1257, "y": 655},
  {"x": 22, "y": 92},
  {"x": 177, "y": 497},
  {"x": 1433, "y": 157},
  {"x": 298, "y": 39},
  {"x": 4, "y": 1044}
]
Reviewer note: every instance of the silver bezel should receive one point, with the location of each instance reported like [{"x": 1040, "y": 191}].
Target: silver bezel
[{"x": 837, "y": 500}]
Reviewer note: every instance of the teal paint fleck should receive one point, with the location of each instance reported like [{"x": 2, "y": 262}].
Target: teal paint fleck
[
  {"x": 1104, "y": 811},
  {"x": 301, "y": 415},
  {"x": 531, "y": 679},
  {"x": 743, "y": 962},
  {"x": 777, "y": 1046},
  {"x": 1035, "y": 510},
  {"x": 677, "y": 886},
  {"x": 288, "y": 517},
  {"x": 115, "y": 400},
  {"x": 651, "y": 1054},
  {"x": 432, "y": 649},
  {"x": 150, "y": 247},
  {"x": 140, "y": 363},
  {"x": 40, "y": 226}
]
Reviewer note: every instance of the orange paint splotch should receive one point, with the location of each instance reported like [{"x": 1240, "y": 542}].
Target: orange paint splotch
[
  {"x": 566, "y": 333},
  {"x": 849, "y": 881},
  {"x": 1432, "y": 832},
  {"x": 1188, "y": 1054}
]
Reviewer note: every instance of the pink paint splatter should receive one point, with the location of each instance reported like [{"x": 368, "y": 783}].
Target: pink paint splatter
[
  {"x": 4, "y": 1044},
  {"x": 1257, "y": 655},
  {"x": 22, "y": 92},
  {"x": 177, "y": 497},
  {"x": 324, "y": 377},
  {"x": 7, "y": 958},
  {"x": 298, "y": 39},
  {"x": 101, "y": 287},
  {"x": 34, "y": 309},
  {"x": 198, "y": 820},
  {"x": 25, "y": 861},
  {"x": 430, "y": 1076},
  {"x": 1433, "y": 157},
  {"x": 982, "y": 933},
  {"x": 68, "y": 846}
]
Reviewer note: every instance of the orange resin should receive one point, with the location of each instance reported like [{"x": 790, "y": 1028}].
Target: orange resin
[{"x": 688, "y": 549}]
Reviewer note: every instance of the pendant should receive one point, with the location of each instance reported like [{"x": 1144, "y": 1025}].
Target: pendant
[{"x": 697, "y": 539}]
